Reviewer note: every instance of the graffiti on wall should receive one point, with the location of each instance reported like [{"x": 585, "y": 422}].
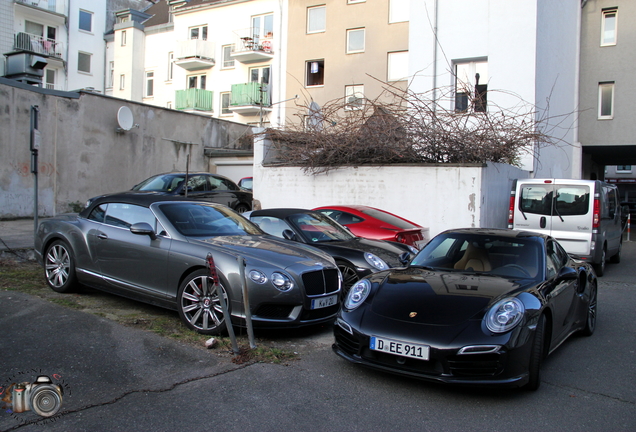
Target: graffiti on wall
[{"x": 44, "y": 169}]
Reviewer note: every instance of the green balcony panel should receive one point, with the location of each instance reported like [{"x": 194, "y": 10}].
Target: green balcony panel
[
  {"x": 194, "y": 99},
  {"x": 249, "y": 94}
]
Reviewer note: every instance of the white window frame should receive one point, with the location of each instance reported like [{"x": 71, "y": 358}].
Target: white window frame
[
  {"x": 467, "y": 79},
  {"x": 90, "y": 14},
  {"x": 150, "y": 84},
  {"x": 122, "y": 82},
  {"x": 355, "y": 1},
  {"x": 397, "y": 66},
  {"x": 90, "y": 58},
  {"x": 315, "y": 14},
  {"x": 170, "y": 65},
  {"x": 198, "y": 81},
  {"x": 605, "y": 19},
  {"x": 308, "y": 72},
  {"x": 201, "y": 31},
  {"x": 625, "y": 169},
  {"x": 259, "y": 27},
  {"x": 399, "y": 11},
  {"x": 50, "y": 73},
  {"x": 111, "y": 74},
  {"x": 603, "y": 88},
  {"x": 352, "y": 32},
  {"x": 123, "y": 38},
  {"x": 354, "y": 93},
  {"x": 227, "y": 61},
  {"x": 224, "y": 110}
]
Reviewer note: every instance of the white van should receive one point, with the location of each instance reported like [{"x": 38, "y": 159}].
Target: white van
[{"x": 583, "y": 215}]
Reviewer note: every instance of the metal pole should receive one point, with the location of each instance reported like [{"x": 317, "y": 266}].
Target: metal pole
[
  {"x": 34, "y": 138},
  {"x": 246, "y": 303},
  {"x": 219, "y": 292}
]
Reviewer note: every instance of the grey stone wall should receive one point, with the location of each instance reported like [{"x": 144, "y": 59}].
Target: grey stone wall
[{"x": 82, "y": 154}]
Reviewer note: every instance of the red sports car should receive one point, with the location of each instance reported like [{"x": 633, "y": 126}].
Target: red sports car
[{"x": 373, "y": 223}]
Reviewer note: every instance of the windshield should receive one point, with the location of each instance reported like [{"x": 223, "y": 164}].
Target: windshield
[
  {"x": 316, "y": 227},
  {"x": 501, "y": 256},
  {"x": 161, "y": 183},
  {"x": 200, "y": 220}
]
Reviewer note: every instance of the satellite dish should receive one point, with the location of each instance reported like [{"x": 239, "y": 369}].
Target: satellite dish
[
  {"x": 124, "y": 118},
  {"x": 315, "y": 116}
]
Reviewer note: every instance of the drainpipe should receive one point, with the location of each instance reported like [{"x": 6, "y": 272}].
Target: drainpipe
[{"x": 435, "y": 58}]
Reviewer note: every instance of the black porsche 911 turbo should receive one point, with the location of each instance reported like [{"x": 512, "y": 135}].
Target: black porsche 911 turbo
[
  {"x": 356, "y": 257},
  {"x": 475, "y": 306}
]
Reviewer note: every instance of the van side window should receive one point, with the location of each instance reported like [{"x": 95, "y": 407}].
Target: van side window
[
  {"x": 611, "y": 201},
  {"x": 536, "y": 199}
]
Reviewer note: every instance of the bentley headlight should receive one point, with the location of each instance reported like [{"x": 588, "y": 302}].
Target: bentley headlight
[
  {"x": 505, "y": 315},
  {"x": 282, "y": 282},
  {"x": 357, "y": 294},
  {"x": 375, "y": 261},
  {"x": 258, "y": 276}
]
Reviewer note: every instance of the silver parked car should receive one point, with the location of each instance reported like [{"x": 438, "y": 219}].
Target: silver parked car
[{"x": 154, "y": 249}]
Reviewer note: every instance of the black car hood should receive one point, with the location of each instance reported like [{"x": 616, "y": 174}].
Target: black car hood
[
  {"x": 420, "y": 296},
  {"x": 388, "y": 251},
  {"x": 275, "y": 251}
]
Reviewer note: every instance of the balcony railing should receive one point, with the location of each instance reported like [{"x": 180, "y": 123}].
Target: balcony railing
[
  {"x": 193, "y": 99},
  {"x": 251, "y": 47},
  {"x": 250, "y": 98},
  {"x": 38, "y": 45},
  {"x": 57, "y": 6},
  {"x": 195, "y": 54}
]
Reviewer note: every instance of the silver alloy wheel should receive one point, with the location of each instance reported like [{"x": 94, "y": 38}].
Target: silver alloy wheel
[
  {"x": 199, "y": 304},
  {"x": 57, "y": 265}
]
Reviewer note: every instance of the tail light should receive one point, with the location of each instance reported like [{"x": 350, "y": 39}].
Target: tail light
[
  {"x": 400, "y": 238},
  {"x": 596, "y": 218},
  {"x": 511, "y": 211}
]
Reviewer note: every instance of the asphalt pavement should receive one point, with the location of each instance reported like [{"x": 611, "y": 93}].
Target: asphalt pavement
[{"x": 116, "y": 378}]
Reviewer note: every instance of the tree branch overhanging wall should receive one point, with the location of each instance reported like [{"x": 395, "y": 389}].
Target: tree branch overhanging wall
[{"x": 401, "y": 127}]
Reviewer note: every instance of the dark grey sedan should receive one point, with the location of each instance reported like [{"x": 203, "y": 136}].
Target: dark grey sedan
[{"x": 155, "y": 248}]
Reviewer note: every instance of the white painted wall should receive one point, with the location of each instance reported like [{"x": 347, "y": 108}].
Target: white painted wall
[
  {"x": 438, "y": 197},
  {"x": 89, "y": 42}
]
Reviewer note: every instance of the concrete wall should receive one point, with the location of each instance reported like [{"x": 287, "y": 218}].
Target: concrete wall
[
  {"x": 439, "y": 197},
  {"x": 82, "y": 154}
]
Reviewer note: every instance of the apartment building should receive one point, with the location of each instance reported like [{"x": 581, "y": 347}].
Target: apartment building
[
  {"x": 58, "y": 44},
  {"x": 210, "y": 57},
  {"x": 607, "y": 89},
  {"x": 348, "y": 50}
]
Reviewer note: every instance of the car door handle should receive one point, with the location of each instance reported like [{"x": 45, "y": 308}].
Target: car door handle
[
  {"x": 542, "y": 222},
  {"x": 102, "y": 236}
]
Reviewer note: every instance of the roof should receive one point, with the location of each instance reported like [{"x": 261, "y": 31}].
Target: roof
[
  {"x": 281, "y": 213},
  {"x": 141, "y": 198}
]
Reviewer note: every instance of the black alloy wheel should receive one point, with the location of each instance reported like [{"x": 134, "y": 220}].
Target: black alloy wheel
[
  {"x": 59, "y": 267},
  {"x": 592, "y": 309},
  {"x": 536, "y": 356},
  {"x": 199, "y": 306},
  {"x": 600, "y": 267},
  {"x": 242, "y": 208},
  {"x": 349, "y": 276}
]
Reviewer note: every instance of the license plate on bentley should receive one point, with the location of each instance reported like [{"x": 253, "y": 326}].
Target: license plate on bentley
[
  {"x": 324, "y": 302},
  {"x": 404, "y": 349}
]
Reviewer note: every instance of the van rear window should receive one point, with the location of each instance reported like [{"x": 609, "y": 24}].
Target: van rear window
[{"x": 570, "y": 200}]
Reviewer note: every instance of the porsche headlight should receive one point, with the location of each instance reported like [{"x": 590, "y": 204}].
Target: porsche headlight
[
  {"x": 505, "y": 315},
  {"x": 282, "y": 282},
  {"x": 375, "y": 261},
  {"x": 357, "y": 294},
  {"x": 413, "y": 250}
]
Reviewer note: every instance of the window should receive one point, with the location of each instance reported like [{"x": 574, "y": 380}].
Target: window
[
  {"x": 34, "y": 28},
  {"x": 50, "y": 79},
  {"x": 355, "y": 41},
  {"x": 608, "y": 27},
  {"x": 606, "y": 101},
  {"x": 85, "y": 21},
  {"x": 471, "y": 86},
  {"x": 315, "y": 75},
  {"x": 197, "y": 81},
  {"x": 228, "y": 61},
  {"x": 354, "y": 95},
  {"x": 623, "y": 168},
  {"x": 398, "y": 10},
  {"x": 123, "y": 38},
  {"x": 84, "y": 62},
  {"x": 199, "y": 32},
  {"x": 260, "y": 74},
  {"x": 122, "y": 82},
  {"x": 150, "y": 83},
  {"x": 225, "y": 103},
  {"x": 169, "y": 104},
  {"x": 111, "y": 74},
  {"x": 355, "y": 1},
  {"x": 316, "y": 19},
  {"x": 170, "y": 65},
  {"x": 262, "y": 27},
  {"x": 398, "y": 66}
]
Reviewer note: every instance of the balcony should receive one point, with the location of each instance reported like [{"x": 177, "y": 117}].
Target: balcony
[
  {"x": 248, "y": 99},
  {"x": 55, "y": 6},
  {"x": 193, "y": 100},
  {"x": 37, "y": 45},
  {"x": 250, "y": 47},
  {"x": 195, "y": 54}
]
